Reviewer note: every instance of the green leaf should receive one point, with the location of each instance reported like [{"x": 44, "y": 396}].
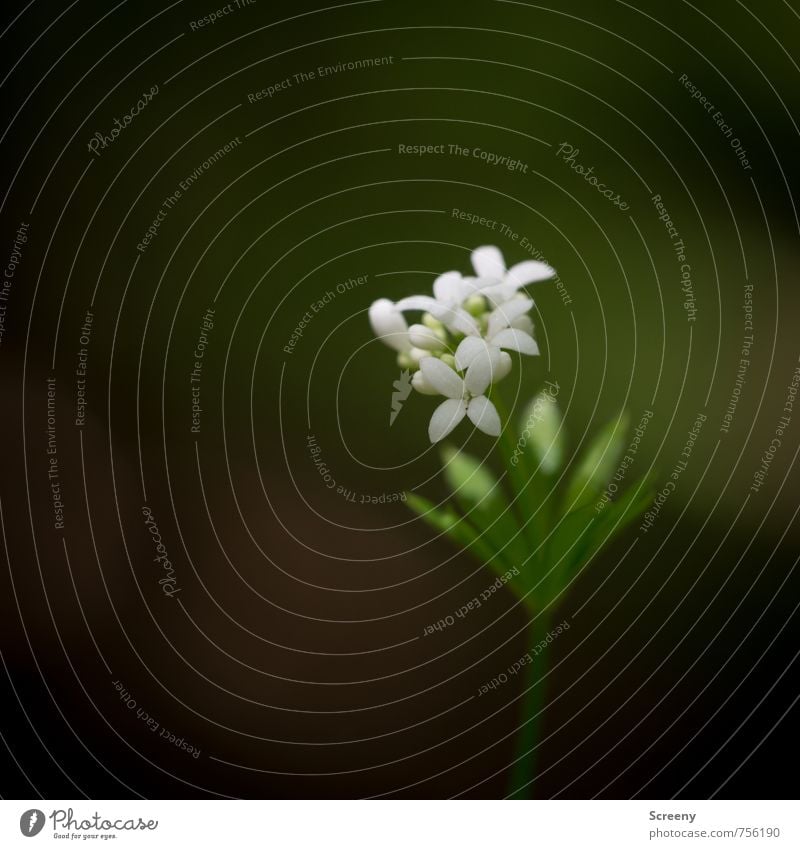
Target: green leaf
[
  {"x": 503, "y": 533},
  {"x": 541, "y": 433},
  {"x": 446, "y": 520},
  {"x": 560, "y": 536},
  {"x": 470, "y": 480},
  {"x": 628, "y": 507},
  {"x": 598, "y": 464},
  {"x": 485, "y": 505},
  {"x": 607, "y": 524}
]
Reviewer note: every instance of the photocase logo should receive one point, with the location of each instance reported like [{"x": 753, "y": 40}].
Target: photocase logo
[
  {"x": 31, "y": 822},
  {"x": 402, "y": 390}
]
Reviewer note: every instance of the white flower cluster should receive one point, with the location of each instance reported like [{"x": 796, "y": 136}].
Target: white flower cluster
[{"x": 459, "y": 347}]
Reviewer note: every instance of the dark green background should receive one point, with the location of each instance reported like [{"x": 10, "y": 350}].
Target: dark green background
[{"x": 290, "y": 600}]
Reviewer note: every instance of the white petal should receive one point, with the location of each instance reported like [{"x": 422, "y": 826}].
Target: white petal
[
  {"x": 529, "y": 271},
  {"x": 497, "y": 294},
  {"x": 421, "y": 385},
  {"x": 516, "y": 340},
  {"x": 423, "y": 337},
  {"x": 389, "y": 325},
  {"x": 488, "y": 262},
  {"x": 418, "y": 302},
  {"x": 461, "y": 321},
  {"x": 503, "y": 368},
  {"x": 503, "y": 315},
  {"x": 482, "y": 370},
  {"x": 442, "y": 378},
  {"x": 523, "y": 323},
  {"x": 445, "y": 417},
  {"x": 448, "y": 289},
  {"x": 517, "y": 277},
  {"x": 467, "y": 350},
  {"x": 471, "y": 286},
  {"x": 483, "y": 415},
  {"x": 454, "y": 318}
]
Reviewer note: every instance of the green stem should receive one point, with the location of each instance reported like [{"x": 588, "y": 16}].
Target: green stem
[
  {"x": 520, "y": 474},
  {"x": 523, "y": 774}
]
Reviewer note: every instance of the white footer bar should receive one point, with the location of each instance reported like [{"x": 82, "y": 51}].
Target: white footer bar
[{"x": 402, "y": 824}]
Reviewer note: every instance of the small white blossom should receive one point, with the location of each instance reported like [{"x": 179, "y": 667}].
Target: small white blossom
[
  {"x": 464, "y": 398},
  {"x": 450, "y": 290},
  {"x": 499, "y": 284},
  {"x": 456, "y": 320},
  {"x": 483, "y": 354}
]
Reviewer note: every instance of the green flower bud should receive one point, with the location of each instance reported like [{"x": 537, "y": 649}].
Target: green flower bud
[
  {"x": 475, "y": 305},
  {"x": 405, "y": 361},
  {"x": 433, "y": 323}
]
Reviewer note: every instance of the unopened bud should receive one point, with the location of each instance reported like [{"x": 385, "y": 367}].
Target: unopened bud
[
  {"x": 475, "y": 305},
  {"x": 425, "y": 338},
  {"x": 433, "y": 323}
]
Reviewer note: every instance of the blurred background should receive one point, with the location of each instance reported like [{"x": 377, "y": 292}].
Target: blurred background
[{"x": 195, "y": 279}]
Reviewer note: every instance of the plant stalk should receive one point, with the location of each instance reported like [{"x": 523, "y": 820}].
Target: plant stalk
[{"x": 524, "y": 769}]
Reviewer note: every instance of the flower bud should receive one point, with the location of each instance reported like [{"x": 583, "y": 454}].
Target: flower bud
[
  {"x": 421, "y": 385},
  {"x": 423, "y": 337},
  {"x": 503, "y": 368},
  {"x": 416, "y": 354},
  {"x": 389, "y": 325},
  {"x": 429, "y": 321},
  {"x": 475, "y": 305}
]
